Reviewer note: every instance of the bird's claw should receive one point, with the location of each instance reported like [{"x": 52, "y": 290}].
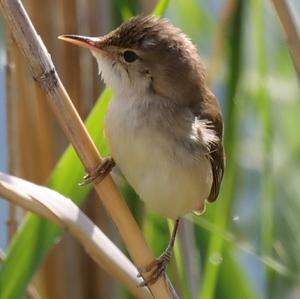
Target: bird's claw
[
  {"x": 100, "y": 172},
  {"x": 156, "y": 268}
]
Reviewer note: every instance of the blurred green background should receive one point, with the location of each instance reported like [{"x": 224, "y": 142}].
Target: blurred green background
[{"x": 247, "y": 244}]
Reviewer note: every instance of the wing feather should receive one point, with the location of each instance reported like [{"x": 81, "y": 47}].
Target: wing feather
[{"x": 209, "y": 110}]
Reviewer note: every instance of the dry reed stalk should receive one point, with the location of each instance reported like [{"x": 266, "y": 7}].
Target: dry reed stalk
[
  {"x": 47, "y": 139},
  {"x": 53, "y": 274},
  {"x": 291, "y": 30},
  {"x": 67, "y": 255},
  {"x": 11, "y": 94},
  {"x": 24, "y": 136},
  {"x": 44, "y": 73},
  {"x": 33, "y": 138},
  {"x": 99, "y": 22},
  {"x": 67, "y": 16},
  {"x": 23, "y": 151},
  {"x": 67, "y": 261},
  {"x": 94, "y": 20}
]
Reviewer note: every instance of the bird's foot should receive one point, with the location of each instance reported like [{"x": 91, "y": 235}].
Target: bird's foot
[
  {"x": 100, "y": 172},
  {"x": 156, "y": 268}
]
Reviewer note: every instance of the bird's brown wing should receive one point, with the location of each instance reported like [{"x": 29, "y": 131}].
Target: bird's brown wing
[
  {"x": 209, "y": 109},
  {"x": 217, "y": 166}
]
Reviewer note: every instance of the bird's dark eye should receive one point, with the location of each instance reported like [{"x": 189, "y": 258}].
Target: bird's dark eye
[{"x": 130, "y": 56}]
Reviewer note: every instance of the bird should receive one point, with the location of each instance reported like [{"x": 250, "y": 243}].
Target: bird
[{"x": 164, "y": 126}]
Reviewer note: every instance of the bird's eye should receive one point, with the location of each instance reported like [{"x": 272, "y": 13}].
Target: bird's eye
[{"x": 130, "y": 56}]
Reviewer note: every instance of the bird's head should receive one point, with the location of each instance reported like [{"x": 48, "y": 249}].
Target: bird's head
[{"x": 146, "y": 54}]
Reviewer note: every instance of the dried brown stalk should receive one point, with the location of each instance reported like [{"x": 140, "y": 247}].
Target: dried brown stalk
[
  {"x": 94, "y": 19},
  {"x": 11, "y": 94},
  {"x": 67, "y": 13},
  {"x": 33, "y": 141},
  {"x": 289, "y": 25},
  {"x": 64, "y": 261},
  {"x": 44, "y": 74}
]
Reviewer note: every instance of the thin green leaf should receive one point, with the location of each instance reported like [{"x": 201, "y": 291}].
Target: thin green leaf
[{"x": 160, "y": 8}]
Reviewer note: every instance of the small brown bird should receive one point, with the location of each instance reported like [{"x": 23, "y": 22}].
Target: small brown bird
[{"x": 164, "y": 127}]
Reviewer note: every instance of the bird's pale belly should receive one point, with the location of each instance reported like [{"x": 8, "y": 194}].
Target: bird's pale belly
[{"x": 169, "y": 181}]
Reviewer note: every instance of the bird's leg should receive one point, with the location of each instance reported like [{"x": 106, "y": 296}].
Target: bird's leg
[
  {"x": 157, "y": 267},
  {"x": 102, "y": 170}
]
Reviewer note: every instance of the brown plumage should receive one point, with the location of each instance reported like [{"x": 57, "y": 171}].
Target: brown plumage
[
  {"x": 154, "y": 34},
  {"x": 211, "y": 110},
  {"x": 183, "y": 81},
  {"x": 164, "y": 125}
]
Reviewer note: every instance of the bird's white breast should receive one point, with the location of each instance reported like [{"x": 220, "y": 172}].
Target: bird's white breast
[{"x": 167, "y": 179}]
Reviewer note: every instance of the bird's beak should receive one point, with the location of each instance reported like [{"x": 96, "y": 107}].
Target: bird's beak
[{"x": 92, "y": 43}]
